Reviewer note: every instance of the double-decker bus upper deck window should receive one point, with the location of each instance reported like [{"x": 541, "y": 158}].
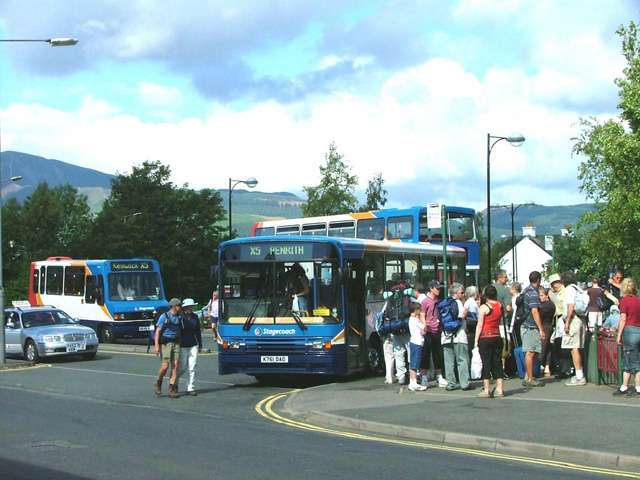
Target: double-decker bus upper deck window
[
  {"x": 342, "y": 229},
  {"x": 74, "y": 281},
  {"x": 54, "y": 280},
  {"x": 314, "y": 229},
  {"x": 400, "y": 228},
  {"x": 289, "y": 230},
  {"x": 265, "y": 231},
  {"x": 371, "y": 228},
  {"x": 460, "y": 228}
]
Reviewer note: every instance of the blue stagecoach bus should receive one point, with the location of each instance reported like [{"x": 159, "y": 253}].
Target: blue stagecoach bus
[
  {"x": 265, "y": 331},
  {"x": 117, "y": 298}
]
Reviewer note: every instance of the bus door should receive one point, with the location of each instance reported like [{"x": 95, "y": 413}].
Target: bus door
[{"x": 355, "y": 324}]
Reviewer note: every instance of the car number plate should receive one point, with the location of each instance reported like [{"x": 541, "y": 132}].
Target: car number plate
[
  {"x": 76, "y": 347},
  {"x": 274, "y": 359},
  {"x": 145, "y": 329}
]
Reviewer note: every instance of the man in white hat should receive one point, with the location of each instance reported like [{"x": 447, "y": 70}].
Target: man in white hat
[{"x": 190, "y": 343}]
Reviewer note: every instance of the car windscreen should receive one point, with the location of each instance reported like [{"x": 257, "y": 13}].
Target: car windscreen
[{"x": 45, "y": 318}]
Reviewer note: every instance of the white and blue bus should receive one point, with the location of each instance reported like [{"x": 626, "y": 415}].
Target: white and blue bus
[
  {"x": 394, "y": 224},
  {"x": 117, "y": 298},
  {"x": 260, "y": 331}
]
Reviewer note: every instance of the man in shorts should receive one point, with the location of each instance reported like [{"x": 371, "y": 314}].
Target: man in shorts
[
  {"x": 531, "y": 330},
  {"x": 574, "y": 330},
  {"x": 168, "y": 347}
]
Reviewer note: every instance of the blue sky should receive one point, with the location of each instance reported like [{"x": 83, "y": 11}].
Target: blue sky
[{"x": 220, "y": 89}]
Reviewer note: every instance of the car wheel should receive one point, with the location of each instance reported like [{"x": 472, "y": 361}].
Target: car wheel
[
  {"x": 89, "y": 356},
  {"x": 106, "y": 334},
  {"x": 31, "y": 352}
]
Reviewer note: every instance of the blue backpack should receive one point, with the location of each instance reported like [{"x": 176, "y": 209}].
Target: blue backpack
[{"x": 448, "y": 314}]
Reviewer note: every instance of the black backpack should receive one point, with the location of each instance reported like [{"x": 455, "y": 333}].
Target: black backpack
[
  {"x": 398, "y": 303},
  {"x": 604, "y": 303},
  {"x": 521, "y": 311}
]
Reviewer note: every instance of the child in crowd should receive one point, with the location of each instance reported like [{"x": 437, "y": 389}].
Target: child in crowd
[{"x": 416, "y": 344}]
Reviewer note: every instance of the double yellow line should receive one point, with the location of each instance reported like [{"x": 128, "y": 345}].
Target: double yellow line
[{"x": 265, "y": 409}]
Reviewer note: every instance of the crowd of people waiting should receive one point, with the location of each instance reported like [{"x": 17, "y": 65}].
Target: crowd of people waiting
[{"x": 543, "y": 321}]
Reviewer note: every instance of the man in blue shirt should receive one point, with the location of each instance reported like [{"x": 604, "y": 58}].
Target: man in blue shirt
[
  {"x": 168, "y": 346},
  {"x": 531, "y": 330}
]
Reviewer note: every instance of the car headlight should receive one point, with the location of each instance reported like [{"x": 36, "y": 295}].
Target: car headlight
[
  {"x": 90, "y": 336},
  {"x": 53, "y": 338}
]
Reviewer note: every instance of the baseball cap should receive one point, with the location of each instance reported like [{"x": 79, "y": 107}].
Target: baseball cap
[
  {"x": 435, "y": 284},
  {"x": 554, "y": 278},
  {"x": 614, "y": 308},
  {"x": 174, "y": 302}
]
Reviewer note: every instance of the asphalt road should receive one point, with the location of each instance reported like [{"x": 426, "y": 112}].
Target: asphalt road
[{"x": 101, "y": 420}]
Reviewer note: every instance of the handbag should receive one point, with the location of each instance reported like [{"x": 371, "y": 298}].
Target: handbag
[
  {"x": 507, "y": 346},
  {"x": 476, "y": 364}
]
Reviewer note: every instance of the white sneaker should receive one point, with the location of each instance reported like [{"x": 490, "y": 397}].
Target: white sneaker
[
  {"x": 442, "y": 383},
  {"x": 425, "y": 383},
  {"x": 574, "y": 382},
  {"x": 388, "y": 381},
  {"x": 414, "y": 387}
]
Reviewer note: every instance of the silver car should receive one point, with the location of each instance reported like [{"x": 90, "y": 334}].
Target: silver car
[{"x": 36, "y": 332}]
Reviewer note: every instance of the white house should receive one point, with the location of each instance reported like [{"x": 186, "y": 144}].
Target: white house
[{"x": 529, "y": 255}]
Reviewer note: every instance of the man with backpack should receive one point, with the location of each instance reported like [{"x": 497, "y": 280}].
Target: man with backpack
[
  {"x": 168, "y": 347},
  {"x": 574, "y": 327},
  {"x": 454, "y": 338}
]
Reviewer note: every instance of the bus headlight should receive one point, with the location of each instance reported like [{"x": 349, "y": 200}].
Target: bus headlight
[{"x": 234, "y": 344}]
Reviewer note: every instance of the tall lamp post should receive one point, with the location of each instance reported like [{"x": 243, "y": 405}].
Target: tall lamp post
[
  {"x": 250, "y": 182},
  {"x": 515, "y": 140},
  {"x": 54, "y": 42},
  {"x": 512, "y": 208}
]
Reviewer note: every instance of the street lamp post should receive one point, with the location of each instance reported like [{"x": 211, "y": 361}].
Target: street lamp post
[
  {"x": 515, "y": 140},
  {"x": 250, "y": 182},
  {"x": 54, "y": 42},
  {"x": 512, "y": 208}
]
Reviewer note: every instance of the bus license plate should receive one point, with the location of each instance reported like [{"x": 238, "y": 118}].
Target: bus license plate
[
  {"x": 76, "y": 347},
  {"x": 145, "y": 329},
  {"x": 274, "y": 359}
]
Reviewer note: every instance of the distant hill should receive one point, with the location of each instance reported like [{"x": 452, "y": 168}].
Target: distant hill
[
  {"x": 34, "y": 170},
  {"x": 547, "y": 220},
  {"x": 249, "y": 206}
]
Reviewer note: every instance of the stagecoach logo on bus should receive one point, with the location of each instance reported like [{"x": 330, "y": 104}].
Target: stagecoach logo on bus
[{"x": 273, "y": 332}]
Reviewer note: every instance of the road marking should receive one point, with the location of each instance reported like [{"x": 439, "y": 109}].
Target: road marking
[
  {"x": 24, "y": 367},
  {"x": 145, "y": 354},
  {"x": 129, "y": 374},
  {"x": 265, "y": 409}
]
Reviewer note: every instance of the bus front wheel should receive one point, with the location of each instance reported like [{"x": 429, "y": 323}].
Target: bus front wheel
[{"x": 106, "y": 334}]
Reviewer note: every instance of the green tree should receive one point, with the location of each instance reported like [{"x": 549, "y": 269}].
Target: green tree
[
  {"x": 376, "y": 194},
  {"x": 51, "y": 222},
  {"x": 610, "y": 173},
  {"x": 336, "y": 192},
  {"x": 147, "y": 216}
]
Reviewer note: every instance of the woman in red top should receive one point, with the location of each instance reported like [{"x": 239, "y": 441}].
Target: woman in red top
[
  {"x": 489, "y": 342},
  {"x": 629, "y": 337}
]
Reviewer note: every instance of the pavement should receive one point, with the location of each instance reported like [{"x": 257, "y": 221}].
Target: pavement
[{"x": 584, "y": 425}]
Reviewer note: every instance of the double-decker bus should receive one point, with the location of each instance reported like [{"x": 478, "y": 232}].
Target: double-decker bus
[
  {"x": 117, "y": 298},
  {"x": 260, "y": 331},
  {"x": 395, "y": 224}
]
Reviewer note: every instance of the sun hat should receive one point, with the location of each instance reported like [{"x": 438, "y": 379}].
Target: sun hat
[
  {"x": 188, "y": 302},
  {"x": 614, "y": 308},
  {"x": 554, "y": 278},
  {"x": 174, "y": 302}
]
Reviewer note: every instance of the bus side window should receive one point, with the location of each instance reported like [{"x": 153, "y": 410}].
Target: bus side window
[
  {"x": 36, "y": 280},
  {"x": 54, "y": 280},
  {"x": 93, "y": 291}
]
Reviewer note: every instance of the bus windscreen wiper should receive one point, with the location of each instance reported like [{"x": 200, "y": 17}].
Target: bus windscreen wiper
[
  {"x": 296, "y": 317},
  {"x": 250, "y": 318}
]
